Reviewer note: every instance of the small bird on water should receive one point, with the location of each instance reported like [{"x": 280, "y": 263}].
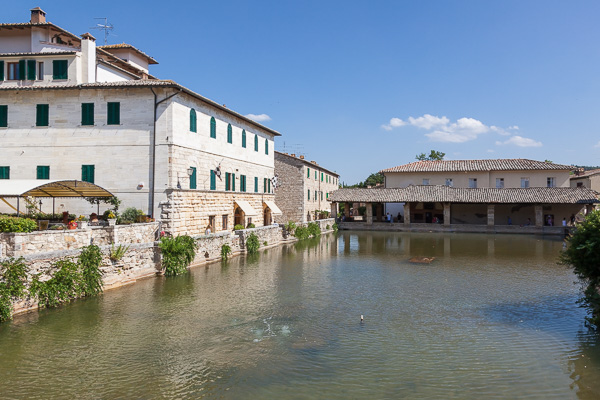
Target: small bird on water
[{"x": 361, "y": 318}]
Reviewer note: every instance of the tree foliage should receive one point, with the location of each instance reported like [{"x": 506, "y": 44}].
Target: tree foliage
[
  {"x": 434, "y": 155},
  {"x": 583, "y": 254},
  {"x": 372, "y": 180}
]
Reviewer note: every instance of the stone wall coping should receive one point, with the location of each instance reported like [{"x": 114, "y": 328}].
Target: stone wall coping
[
  {"x": 212, "y": 235},
  {"x": 259, "y": 228},
  {"x": 76, "y": 252},
  {"x": 172, "y": 190},
  {"x": 72, "y": 231}
]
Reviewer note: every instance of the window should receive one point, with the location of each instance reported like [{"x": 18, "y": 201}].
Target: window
[
  {"x": 31, "y": 70},
  {"x": 213, "y": 128},
  {"x": 193, "y": 125},
  {"x": 227, "y": 181},
  {"x": 225, "y": 219},
  {"x": 579, "y": 184},
  {"x": 327, "y": 195},
  {"x": 315, "y": 175},
  {"x": 551, "y": 182},
  {"x": 242, "y": 183},
  {"x": 113, "y": 113},
  {"x": 255, "y": 142},
  {"x": 59, "y": 69},
  {"x": 229, "y": 134},
  {"x": 43, "y": 172},
  {"x": 308, "y": 172},
  {"x": 321, "y": 177},
  {"x": 40, "y": 71},
  {"x": 13, "y": 71},
  {"x": 425, "y": 181},
  {"x": 4, "y": 172},
  {"x": 87, "y": 113},
  {"x": 193, "y": 178},
  {"x": 243, "y": 138},
  {"x": 499, "y": 183},
  {"x": 473, "y": 183},
  {"x": 449, "y": 182},
  {"x": 267, "y": 146},
  {"x": 1, "y": 71},
  {"x": 233, "y": 182},
  {"x": 211, "y": 223},
  {"x": 308, "y": 194},
  {"x": 265, "y": 185},
  {"x": 87, "y": 173},
  {"x": 213, "y": 180},
  {"x": 315, "y": 195},
  {"x": 41, "y": 115},
  {"x": 524, "y": 182},
  {"x": 321, "y": 193},
  {"x": 3, "y": 116},
  {"x": 269, "y": 185},
  {"x": 256, "y": 184}
]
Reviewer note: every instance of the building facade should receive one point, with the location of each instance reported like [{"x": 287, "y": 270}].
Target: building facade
[
  {"x": 303, "y": 188},
  {"x": 72, "y": 110},
  {"x": 589, "y": 179}
]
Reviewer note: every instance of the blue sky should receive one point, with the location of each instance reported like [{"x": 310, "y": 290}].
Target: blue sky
[{"x": 363, "y": 86}]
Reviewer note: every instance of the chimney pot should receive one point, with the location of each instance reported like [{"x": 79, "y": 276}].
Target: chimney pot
[
  {"x": 38, "y": 16},
  {"x": 293, "y": 155},
  {"x": 302, "y": 157}
]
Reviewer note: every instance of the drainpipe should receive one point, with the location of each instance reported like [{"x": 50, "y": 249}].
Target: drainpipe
[{"x": 153, "y": 173}]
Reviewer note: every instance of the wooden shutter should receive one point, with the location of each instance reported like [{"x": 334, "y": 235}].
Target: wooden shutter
[
  {"x": 227, "y": 181},
  {"x": 193, "y": 178},
  {"x": 213, "y": 180},
  {"x": 193, "y": 120},
  {"x": 229, "y": 134},
  {"x": 87, "y": 113},
  {"x": 41, "y": 117},
  {"x": 255, "y": 142},
  {"x": 233, "y": 182},
  {"x": 267, "y": 146},
  {"x": 1, "y": 70},
  {"x": 4, "y": 172},
  {"x": 87, "y": 173},
  {"x": 3, "y": 116},
  {"x": 213, "y": 128},
  {"x": 243, "y": 138},
  {"x": 59, "y": 69},
  {"x": 43, "y": 172},
  {"x": 256, "y": 184},
  {"x": 31, "y": 64},
  {"x": 114, "y": 113},
  {"x": 21, "y": 70}
]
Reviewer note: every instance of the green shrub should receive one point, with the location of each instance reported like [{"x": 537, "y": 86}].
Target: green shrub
[
  {"x": 250, "y": 226},
  {"x": 238, "y": 227},
  {"x": 90, "y": 260},
  {"x": 252, "y": 244},
  {"x": 327, "y": 227},
  {"x": 64, "y": 286},
  {"x": 130, "y": 215},
  {"x": 17, "y": 224},
  {"x": 335, "y": 227},
  {"x": 290, "y": 226},
  {"x": 116, "y": 253},
  {"x": 301, "y": 232},
  {"x": 6, "y": 306},
  {"x": 314, "y": 229},
  {"x": 225, "y": 251},
  {"x": 14, "y": 275},
  {"x": 178, "y": 253}
]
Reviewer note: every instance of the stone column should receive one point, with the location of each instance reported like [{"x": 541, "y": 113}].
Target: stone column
[
  {"x": 406, "y": 214},
  {"x": 369, "y": 214},
  {"x": 539, "y": 215},
  {"x": 347, "y": 210},
  {"x": 334, "y": 210},
  {"x": 447, "y": 214},
  {"x": 379, "y": 208},
  {"x": 490, "y": 215}
]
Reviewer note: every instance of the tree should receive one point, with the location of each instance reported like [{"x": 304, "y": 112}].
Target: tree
[
  {"x": 433, "y": 156},
  {"x": 373, "y": 180},
  {"x": 583, "y": 255}
]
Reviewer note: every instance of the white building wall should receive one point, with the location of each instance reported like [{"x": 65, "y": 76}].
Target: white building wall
[{"x": 105, "y": 73}]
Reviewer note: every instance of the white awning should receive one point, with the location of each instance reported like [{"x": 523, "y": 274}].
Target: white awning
[
  {"x": 50, "y": 188},
  {"x": 246, "y": 207},
  {"x": 274, "y": 209}
]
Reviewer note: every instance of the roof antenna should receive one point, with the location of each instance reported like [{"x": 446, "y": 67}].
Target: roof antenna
[{"x": 106, "y": 27}]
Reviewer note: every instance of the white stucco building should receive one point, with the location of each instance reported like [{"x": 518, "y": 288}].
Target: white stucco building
[{"x": 72, "y": 110}]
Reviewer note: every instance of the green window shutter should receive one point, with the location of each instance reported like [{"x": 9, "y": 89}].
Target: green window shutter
[
  {"x": 1, "y": 71},
  {"x": 229, "y": 134},
  {"x": 193, "y": 178},
  {"x": 87, "y": 173},
  {"x": 87, "y": 113},
  {"x": 308, "y": 194},
  {"x": 43, "y": 172},
  {"x": 233, "y": 182},
  {"x": 31, "y": 64},
  {"x": 242, "y": 183},
  {"x": 321, "y": 177},
  {"x": 321, "y": 196},
  {"x": 265, "y": 185},
  {"x": 227, "y": 181},
  {"x": 60, "y": 69},
  {"x": 3, "y": 116},
  {"x": 308, "y": 172},
  {"x": 255, "y": 142},
  {"x": 193, "y": 120},
  {"x": 4, "y": 172},
  {"x": 213, "y": 128},
  {"x": 327, "y": 195},
  {"x": 113, "y": 113},
  {"x": 267, "y": 146},
  {"x": 41, "y": 115},
  {"x": 269, "y": 185},
  {"x": 22, "y": 70},
  {"x": 243, "y": 138},
  {"x": 315, "y": 175},
  {"x": 213, "y": 180},
  {"x": 256, "y": 184}
]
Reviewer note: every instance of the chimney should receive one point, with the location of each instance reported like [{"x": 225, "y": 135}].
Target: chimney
[
  {"x": 314, "y": 162},
  {"x": 302, "y": 157},
  {"x": 293, "y": 155},
  {"x": 38, "y": 16},
  {"x": 88, "y": 58}
]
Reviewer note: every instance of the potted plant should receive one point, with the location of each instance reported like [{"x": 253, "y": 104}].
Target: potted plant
[
  {"x": 72, "y": 224},
  {"x": 111, "y": 218},
  {"x": 82, "y": 222}
]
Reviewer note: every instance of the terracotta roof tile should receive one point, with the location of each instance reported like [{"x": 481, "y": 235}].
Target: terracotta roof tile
[
  {"x": 477, "y": 165},
  {"x": 128, "y": 46}
]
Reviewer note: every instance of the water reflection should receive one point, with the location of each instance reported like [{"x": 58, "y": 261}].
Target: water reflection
[{"x": 491, "y": 317}]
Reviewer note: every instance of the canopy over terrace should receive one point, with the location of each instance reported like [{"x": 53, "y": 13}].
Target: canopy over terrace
[
  {"x": 469, "y": 206},
  {"x": 12, "y": 188}
]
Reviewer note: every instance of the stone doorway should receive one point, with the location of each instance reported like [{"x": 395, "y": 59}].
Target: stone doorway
[
  {"x": 238, "y": 217},
  {"x": 267, "y": 220}
]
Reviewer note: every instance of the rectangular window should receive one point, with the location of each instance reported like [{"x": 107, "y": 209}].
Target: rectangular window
[
  {"x": 12, "y": 71},
  {"x": 321, "y": 177},
  {"x": 59, "y": 69},
  {"x": 473, "y": 183},
  {"x": 265, "y": 185},
  {"x": 449, "y": 182},
  {"x": 269, "y": 185},
  {"x": 524, "y": 182},
  {"x": 1, "y": 71},
  {"x": 242, "y": 183},
  {"x": 211, "y": 223},
  {"x": 321, "y": 193},
  {"x": 315, "y": 175},
  {"x": 87, "y": 113},
  {"x": 308, "y": 172},
  {"x": 3, "y": 116},
  {"x": 31, "y": 70},
  {"x": 499, "y": 183},
  {"x": 233, "y": 182},
  {"x": 40, "y": 71},
  {"x": 551, "y": 182},
  {"x": 227, "y": 181},
  {"x": 193, "y": 178},
  {"x": 308, "y": 194},
  {"x": 425, "y": 181},
  {"x": 4, "y": 172},
  {"x": 87, "y": 173},
  {"x": 225, "y": 220},
  {"x": 579, "y": 184},
  {"x": 256, "y": 184},
  {"x": 43, "y": 172},
  {"x": 113, "y": 113},
  {"x": 41, "y": 115},
  {"x": 327, "y": 195},
  {"x": 213, "y": 180}
]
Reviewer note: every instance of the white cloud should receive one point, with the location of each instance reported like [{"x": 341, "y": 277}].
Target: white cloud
[
  {"x": 597, "y": 144},
  {"x": 461, "y": 131},
  {"x": 490, "y": 151},
  {"x": 500, "y": 131},
  {"x": 428, "y": 121},
  {"x": 258, "y": 117},
  {"x": 394, "y": 123},
  {"x": 513, "y": 128},
  {"x": 520, "y": 141}
]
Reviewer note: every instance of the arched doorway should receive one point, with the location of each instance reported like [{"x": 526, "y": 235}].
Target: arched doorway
[
  {"x": 238, "y": 217},
  {"x": 267, "y": 216}
]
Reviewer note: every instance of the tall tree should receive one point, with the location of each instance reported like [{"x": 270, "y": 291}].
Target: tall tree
[{"x": 434, "y": 155}]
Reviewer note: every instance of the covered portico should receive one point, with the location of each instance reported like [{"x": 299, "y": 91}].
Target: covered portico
[{"x": 444, "y": 208}]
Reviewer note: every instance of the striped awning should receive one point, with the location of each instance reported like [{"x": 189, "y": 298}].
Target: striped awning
[{"x": 50, "y": 188}]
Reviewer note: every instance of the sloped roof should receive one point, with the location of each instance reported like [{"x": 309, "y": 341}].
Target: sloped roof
[
  {"x": 50, "y": 188},
  {"x": 23, "y": 25},
  {"x": 516, "y": 164},
  {"x": 441, "y": 194},
  {"x": 131, "y": 47},
  {"x": 306, "y": 162},
  {"x": 586, "y": 174}
]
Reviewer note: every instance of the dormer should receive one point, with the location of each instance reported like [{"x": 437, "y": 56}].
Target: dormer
[{"x": 130, "y": 54}]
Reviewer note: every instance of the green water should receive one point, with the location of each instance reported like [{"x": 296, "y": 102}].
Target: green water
[{"x": 491, "y": 317}]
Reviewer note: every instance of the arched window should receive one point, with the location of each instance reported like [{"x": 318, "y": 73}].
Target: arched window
[
  {"x": 243, "y": 138},
  {"x": 229, "y": 134},
  {"x": 255, "y": 142},
  {"x": 267, "y": 146},
  {"x": 213, "y": 128},
  {"x": 193, "y": 120}
]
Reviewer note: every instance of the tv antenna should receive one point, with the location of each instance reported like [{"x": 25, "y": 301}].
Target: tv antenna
[{"x": 106, "y": 27}]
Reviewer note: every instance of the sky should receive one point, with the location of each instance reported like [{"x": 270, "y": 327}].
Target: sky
[{"x": 360, "y": 86}]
